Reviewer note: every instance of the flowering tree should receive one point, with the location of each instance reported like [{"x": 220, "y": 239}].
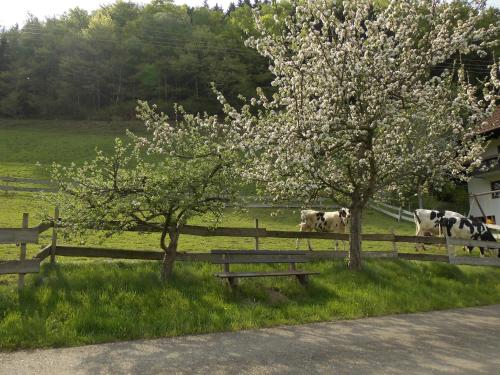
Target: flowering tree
[
  {"x": 357, "y": 110},
  {"x": 158, "y": 182}
]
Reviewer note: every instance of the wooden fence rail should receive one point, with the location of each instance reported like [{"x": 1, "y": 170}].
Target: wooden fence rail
[
  {"x": 48, "y": 186},
  {"x": 454, "y": 259},
  {"x": 195, "y": 230},
  {"x": 396, "y": 212},
  {"x": 95, "y": 252},
  {"x": 18, "y": 235}
]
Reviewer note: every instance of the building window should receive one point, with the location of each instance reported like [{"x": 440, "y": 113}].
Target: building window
[
  {"x": 491, "y": 219},
  {"x": 495, "y": 185}
]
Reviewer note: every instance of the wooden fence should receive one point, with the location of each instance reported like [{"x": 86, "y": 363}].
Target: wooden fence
[
  {"x": 392, "y": 211},
  {"x": 21, "y": 236},
  {"x": 17, "y": 184},
  {"x": 26, "y": 235},
  {"x": 259, "y": 233}
]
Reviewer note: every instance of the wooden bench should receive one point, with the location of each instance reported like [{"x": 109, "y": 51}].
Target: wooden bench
[{"x": 228, "y": 257}]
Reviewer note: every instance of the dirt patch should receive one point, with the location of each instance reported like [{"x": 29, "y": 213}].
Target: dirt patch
[{"x": 275, "y": 297}]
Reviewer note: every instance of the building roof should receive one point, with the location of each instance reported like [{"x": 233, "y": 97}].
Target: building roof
[{"x": 493, "y": 123}]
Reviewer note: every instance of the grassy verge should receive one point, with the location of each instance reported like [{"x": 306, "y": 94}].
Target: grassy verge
[{"x": 74, "y": 304}]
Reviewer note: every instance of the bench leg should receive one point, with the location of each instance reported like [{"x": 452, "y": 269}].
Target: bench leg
[
  {"x": 303, "y": 279},
  {"x": 232, "y": 281}
]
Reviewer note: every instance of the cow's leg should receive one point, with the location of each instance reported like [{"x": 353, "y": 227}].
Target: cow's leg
[
  {"x": 481, "y": 252},
  {"x": 440, "y": 233},
  {"x": 336, "y": 245},
  {"x": 301, "y": 229},
  {"x": 419, "y": 246},
  {"x": 305, "y": 228}
]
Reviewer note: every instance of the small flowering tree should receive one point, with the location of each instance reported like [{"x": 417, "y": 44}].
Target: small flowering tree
[
  {"x": 158, "y": 182},
  {"x": 357, "y": 110}
]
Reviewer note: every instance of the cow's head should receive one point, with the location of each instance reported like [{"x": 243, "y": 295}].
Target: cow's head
[
  {"x": 345, "y": 215},
  {"x": 487, "y": 236}
]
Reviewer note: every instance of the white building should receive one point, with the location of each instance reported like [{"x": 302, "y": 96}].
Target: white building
[{"x": 484, "y": 186}]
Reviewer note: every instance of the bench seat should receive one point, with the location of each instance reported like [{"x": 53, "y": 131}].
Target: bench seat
[{"x": 228, "y": 257}]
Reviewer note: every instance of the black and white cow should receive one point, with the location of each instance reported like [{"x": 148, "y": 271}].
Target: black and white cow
[
  {"x": 467, "y": 229},
  {"x": 333, "y": 222},
  {"x": 427, "y": 222}
]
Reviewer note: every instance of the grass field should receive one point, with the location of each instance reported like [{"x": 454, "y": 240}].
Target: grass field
[
  {"x": 24, "y": 143},
  {"x": 82, "y": 301}
]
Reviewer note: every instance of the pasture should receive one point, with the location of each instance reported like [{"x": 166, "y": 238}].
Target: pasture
[{"x": 83, "y": 301}]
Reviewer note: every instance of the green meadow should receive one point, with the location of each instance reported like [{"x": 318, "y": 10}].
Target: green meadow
[{"x": 83, "y": 301}]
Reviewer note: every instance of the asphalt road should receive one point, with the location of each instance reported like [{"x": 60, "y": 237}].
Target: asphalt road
[{"x": 462, "y": 341}]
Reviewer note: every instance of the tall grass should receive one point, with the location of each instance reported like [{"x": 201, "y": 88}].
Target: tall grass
[{"x": 74, "y": 304}]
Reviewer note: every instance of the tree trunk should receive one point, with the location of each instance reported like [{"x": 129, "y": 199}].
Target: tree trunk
[
  {"x": 355, "y": 238},
  {"x": 420, "y": 198},
  {"x": 170, "y": 251}
]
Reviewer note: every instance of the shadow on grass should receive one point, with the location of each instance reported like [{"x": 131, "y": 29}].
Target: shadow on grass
[{"x": 74, "y": 303}]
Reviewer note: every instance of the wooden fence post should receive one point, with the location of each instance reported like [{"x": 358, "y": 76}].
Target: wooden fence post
[
  {"x": 394, "y": 246},
  {"x": 54, "y": 237},
  {"x": 20, "y": 283},
  {"x": 451, "y": 252},
  {"x": 400, "y": 213},
  {"x": 257, "y": 234}
]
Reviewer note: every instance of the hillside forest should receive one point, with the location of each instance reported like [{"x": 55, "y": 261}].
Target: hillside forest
[{"x": 97, "y": 65}]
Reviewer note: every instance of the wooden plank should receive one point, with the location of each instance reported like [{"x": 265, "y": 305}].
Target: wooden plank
[
  {"x": 473, "y": 261},
  {"x": 311, "y": 235},
  {"x": 378, "y": 237},
  {"x": 424, "y": 257},
  {"x": 44, "y": 253},
  {"x": 389, "y": 206},
  {"x": 388, "y": 213},
  {"x": 460, "y": 242},
  {"x": 18, "y": 235},
  {"x": 420, "y": 239},
  {"x": 260, "y": 252},
  {"x": 27, "y": 189},
  {"x": 264, "y": 274},
  {"x": 195, "y": 230},
  {"x": 485, "y": 193},
  {"x": 20, "y": 266},
  {"x": 263, "y": 260},
  {"x": 43, "y": 227},
  {"x": 94, "y": 252},
  {"x": 25, "y": 180}
]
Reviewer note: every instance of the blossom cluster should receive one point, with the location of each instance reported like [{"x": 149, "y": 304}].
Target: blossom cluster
[{"x": 359, "y": 107}]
